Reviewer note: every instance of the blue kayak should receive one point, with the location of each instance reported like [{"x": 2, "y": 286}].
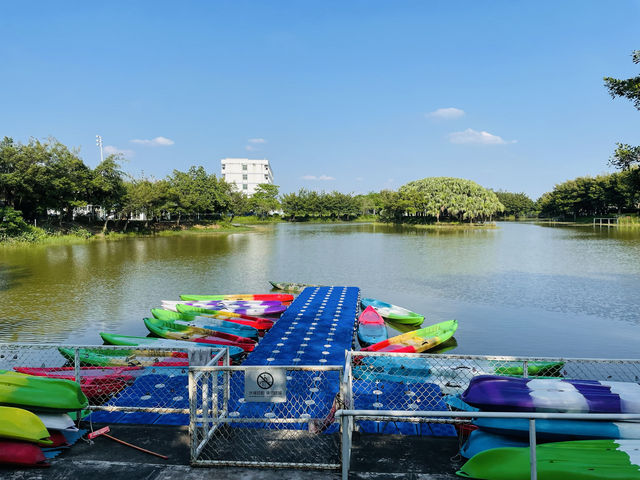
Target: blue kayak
[
  {"x": 371, "y": 327},
  {"x": 560, "y": 430}
]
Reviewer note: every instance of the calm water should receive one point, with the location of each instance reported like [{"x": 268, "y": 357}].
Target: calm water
[{"x": 520, "y": 289}]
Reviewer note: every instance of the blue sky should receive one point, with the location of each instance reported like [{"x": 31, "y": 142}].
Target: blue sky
[{"x": 347, "y": 95}]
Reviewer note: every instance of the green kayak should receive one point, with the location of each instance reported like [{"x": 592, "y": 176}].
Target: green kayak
[
  {"x": 291, "y": 287},
  {"x": 19, "y": 424},
  {"x": 40, "y": 393},
  {"x": 577, "y": 460},
  {"x": 100, "y": 357}
]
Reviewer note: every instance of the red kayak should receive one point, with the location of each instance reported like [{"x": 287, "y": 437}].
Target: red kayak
[
  {"x": 22, "y": 454},
  {"x": 95, "y": 382}
]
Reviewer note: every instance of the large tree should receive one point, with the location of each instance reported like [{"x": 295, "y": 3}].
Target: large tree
[
  {"x": 433, "y": 198},
  {"x": 625, "y": 156}
]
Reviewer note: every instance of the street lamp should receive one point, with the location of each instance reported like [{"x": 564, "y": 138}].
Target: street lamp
[{"x": 99, "y": 144}]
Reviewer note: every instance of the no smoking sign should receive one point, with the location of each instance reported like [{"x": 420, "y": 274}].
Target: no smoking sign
[{"x": 265, "y": 385}]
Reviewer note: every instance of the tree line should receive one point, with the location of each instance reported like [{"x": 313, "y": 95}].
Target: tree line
[{"x": 45, "y": 181}]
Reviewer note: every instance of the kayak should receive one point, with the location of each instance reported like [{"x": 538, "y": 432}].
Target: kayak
[
  {"x": 393, "y": 312},
  {"x": 95, "y": 382},
  {"x": 280, "y": 297},
  {"x": 452, "y": 376},
  {"x": 40, "y": 393},
  {"x": 115, "y": 339},
  {"x": 495, "y": 393},
  {"x": 479, "y": 441},
  {"x": 559, "y": 430},
  {"x": 275, "y": 308},
  {"x": 291, "y": 287},
  {"x": 371, "y": 328},
  {"x": 210, "y": 323},
  {"x": 255, "y": 322},
  {"x": 101, "y": 357},
  {"x": 577, "y": 460},
  {"x": 417, "y": 341},
  {"x": 21, "y": 454},
  {"x": 20, "y": 424},
  {"x": 57, "y": 421},
  {"x": 174, "y": 331}
]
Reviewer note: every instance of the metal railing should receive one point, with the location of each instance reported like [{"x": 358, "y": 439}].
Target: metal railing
[
  {"x": 234, "y": 424},
  {"x": 129, "y": 380},
  {"x": 381, "y": 415}
]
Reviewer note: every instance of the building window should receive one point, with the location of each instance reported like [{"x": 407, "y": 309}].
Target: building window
[
  {"x": 244, "y": 176},
  {"x": 245, "y": 186},
  {"x": 266, "y": 177},
  {"x": 244, "y": 166},
  {"x": 223, "y": 166}
]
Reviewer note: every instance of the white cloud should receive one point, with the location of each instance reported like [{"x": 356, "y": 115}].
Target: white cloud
[
  {"x": 250, "y": 148},
  {"x": 111, "y": 150},
  {"x": 359, "y": 179},
  {"x": 314, "y": 177},
  {"x": 257, "y": 140},
  {"x": 479, "y": 138},
  {"x": 155, "y": 142},
  {"x": 446, "y": 113}
]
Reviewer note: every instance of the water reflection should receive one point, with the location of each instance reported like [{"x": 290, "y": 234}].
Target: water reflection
[{"x": 518, "y": 289}]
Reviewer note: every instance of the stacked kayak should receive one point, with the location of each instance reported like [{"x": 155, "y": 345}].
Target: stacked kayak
[
  {"x": 418, "y": 340},
  {"x": 279, "y": 297},
  {"x": 496, "y": 393},
  {"x": 558, "y": 430},
  {"x": 393, "y": 312},
  {"x": 39, "y": 393},
  {"x": 291, "y": 287},
  {"x": 175, "y": 331},
  {"x": 99, "y": 357},
  {"x": 242, "y": 319},
  {"x": 371, "y": 327},
  {"x": 245, "y": 308},
  {"x": 209, "y": 323},
  {"x": 577, "y": 460},
  {"x": 97, "y": 383},
  {"x": 21, "y": 454},
  {"x": 23, "y": 425},
  {"x": 114, "y": 339}
]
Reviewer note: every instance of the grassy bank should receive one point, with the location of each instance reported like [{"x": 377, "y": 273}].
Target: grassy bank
[
  {"x": 79, "y": 235},
  {"x": 444, "y": 225}
]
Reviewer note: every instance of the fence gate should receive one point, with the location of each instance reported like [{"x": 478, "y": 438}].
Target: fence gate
[{"x": 264, "y": 416}]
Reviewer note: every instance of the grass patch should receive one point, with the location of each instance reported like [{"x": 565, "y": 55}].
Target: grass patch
[{"x": 445, "y": 225}]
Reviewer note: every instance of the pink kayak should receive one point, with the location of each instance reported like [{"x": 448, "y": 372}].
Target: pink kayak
[{"x": 371, "y": 327}]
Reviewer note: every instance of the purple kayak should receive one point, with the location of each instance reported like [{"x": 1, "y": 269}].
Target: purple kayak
[
  {"x": 265, "y": 308},
  {"x": 495, "y": 393}
]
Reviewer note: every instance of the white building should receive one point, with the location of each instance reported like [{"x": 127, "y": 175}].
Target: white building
[{"x": 246, "y": 174}]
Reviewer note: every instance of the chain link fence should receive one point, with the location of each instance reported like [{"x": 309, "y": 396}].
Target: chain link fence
[
  {"x": 122, "y": 384},
  {"x": 422, "y": 382},
  {"x": 265, "y": 416}
]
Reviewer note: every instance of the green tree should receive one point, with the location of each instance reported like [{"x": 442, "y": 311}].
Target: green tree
[
  {"x": 11, "y": 223},
  {"x": 627, "y": 88},
  {"x": 625, "y": 156},
  {"x": 264, "y": 199},
  {"x": 517, "y": 204},
  {"x": 433, "y": 198},
  {"x": 108, "y": 188}
]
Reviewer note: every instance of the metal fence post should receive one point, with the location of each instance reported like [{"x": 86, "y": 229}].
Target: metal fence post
[
  {"x": 193, "y": 410},
  {"x": 532, "y": 449}
]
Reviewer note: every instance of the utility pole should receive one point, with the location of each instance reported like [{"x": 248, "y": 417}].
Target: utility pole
[{"x": 99, "y": 144}]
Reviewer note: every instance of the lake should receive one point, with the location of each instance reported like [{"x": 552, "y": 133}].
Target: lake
[{"x": 519, "y": 289}]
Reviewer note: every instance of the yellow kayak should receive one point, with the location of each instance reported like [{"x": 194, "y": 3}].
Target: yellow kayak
[
  {"x": 417, "y": 341},
  {"x": 19, "y": 424}
]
